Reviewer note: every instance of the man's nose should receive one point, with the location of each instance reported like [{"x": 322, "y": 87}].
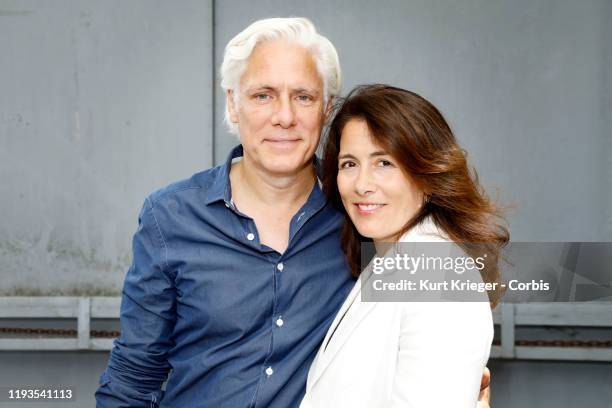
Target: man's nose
[
  {"x": 284, "y": 114},
  {"x": 364, "y": 184}
]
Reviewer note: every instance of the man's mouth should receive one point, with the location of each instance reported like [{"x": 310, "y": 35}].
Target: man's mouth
[{"x": 282, "y": 140}]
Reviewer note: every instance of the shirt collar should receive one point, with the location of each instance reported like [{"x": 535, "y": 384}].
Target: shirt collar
[{"x": 221, "y": 188}]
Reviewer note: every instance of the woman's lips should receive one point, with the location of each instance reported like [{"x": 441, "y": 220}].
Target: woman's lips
[{"x": 368, "y": 208}]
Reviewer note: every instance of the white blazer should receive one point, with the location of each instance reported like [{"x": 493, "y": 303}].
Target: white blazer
[{"x": 402, "y": 354}]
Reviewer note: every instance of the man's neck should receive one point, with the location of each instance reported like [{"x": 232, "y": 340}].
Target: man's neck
[{"x": 268, "y": 189}]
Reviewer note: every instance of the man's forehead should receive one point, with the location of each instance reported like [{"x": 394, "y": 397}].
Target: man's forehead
[{"x": 278, "y": 64}]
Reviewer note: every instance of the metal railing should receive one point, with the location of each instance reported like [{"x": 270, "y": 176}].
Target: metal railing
[
  {"x": 592, "y": 315},
  {"x": 82, "y": 309},
  {"x": 507, "y": 316}
]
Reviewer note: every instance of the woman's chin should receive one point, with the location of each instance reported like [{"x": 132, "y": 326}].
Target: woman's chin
[{"x": 367, "y": 232}]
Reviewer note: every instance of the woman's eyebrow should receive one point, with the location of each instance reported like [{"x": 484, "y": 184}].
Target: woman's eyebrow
[
  {"x": 346, "y": 156},
  {"x": 373, "y": 154}
]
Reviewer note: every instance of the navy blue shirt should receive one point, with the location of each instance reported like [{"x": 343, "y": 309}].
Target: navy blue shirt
[{"x": 237, "y": 322}]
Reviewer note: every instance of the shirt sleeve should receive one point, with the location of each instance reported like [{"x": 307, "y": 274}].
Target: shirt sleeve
[
  {"x": 444, "y": 347},
  {"x": 138, "y": 362}
]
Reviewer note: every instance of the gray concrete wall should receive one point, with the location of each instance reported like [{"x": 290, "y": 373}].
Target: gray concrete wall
[
  {"x": 524, "y": 84},
  {"x": 606, "y": 107},
  {"x": 101, "y": 103}
]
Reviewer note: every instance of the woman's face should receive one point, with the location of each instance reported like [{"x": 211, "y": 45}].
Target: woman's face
[{"x": 377, "y": 195}]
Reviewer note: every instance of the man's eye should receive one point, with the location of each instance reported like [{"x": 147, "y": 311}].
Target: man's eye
[
  {"x": 261, "y": 97},
  {"x": 304, "y": 98}
]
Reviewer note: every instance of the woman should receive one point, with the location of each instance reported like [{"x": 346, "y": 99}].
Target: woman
[{"x": 393, "y": 167}]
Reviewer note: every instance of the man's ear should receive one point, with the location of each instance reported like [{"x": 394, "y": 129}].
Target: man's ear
[
  {"x": 329, "y": 109},
  {"x": 231, "y": 107}
]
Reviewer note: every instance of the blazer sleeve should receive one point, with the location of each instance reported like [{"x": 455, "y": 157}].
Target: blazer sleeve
[
  {"x": 443, "y": 349},
  {"x": 138, "y": 362}
]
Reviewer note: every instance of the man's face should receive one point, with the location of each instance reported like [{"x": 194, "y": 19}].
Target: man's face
[{"x": 280, "y": 111}]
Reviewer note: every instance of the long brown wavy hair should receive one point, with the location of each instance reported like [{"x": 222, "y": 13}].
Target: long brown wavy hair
[{"x": 412, "y": 131}]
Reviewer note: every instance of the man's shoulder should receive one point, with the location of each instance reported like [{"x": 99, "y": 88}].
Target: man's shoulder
[{"x": 198, "y": 184}]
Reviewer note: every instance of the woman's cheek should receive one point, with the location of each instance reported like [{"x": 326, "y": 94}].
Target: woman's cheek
[{"x": 344, "y": 184}]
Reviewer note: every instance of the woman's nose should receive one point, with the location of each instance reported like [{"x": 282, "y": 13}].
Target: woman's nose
[{"x": 364, "y": 185}]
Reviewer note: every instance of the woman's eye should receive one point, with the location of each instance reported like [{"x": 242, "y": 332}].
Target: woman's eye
[
  {"x": 385, "y": 163},
  {"x": 346, "y": 165}
]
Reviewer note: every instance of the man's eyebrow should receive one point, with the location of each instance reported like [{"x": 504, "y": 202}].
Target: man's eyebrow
[
  {"x": 313, "y": 91},
  {"x": 266, "y": 87},
  {"x": 260, "y": 87}
]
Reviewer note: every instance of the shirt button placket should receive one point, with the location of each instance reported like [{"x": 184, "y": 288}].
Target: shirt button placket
[{"x": 279, "y": 321}]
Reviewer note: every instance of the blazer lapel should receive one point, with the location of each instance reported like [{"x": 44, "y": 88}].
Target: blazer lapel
[
  {"x": 347, "y": 320},
  {"x": 337, "y": 335},
  {"x": 355, "y": 291}
]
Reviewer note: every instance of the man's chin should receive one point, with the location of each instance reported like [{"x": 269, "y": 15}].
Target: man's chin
[{"x": 287, "y": 167}]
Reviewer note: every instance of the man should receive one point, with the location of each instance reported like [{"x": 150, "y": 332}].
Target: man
[{"x": 237, "y": 271}]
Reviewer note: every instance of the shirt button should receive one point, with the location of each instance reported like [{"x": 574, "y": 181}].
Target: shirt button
[
  {"x": 280, "y": 266},
  {"x": 279, "y": 322},
  {"x": 250, "y": 236},
  {"x": 269, "y": 371}
]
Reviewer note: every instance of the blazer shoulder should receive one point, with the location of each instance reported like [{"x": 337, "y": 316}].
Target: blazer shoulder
[{"x": 425, "y": 231}]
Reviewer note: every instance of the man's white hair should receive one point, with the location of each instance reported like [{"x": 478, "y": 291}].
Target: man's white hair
[{"x": 298, "y": 30}]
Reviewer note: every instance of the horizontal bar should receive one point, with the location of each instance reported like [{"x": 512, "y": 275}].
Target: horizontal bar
[
  {"x": 57, "y": 307},
  {"x": 105, "y": 307},
  {"x": 563, "y": 353},
  {"x": 22, "y": 344},
  {"x": 548, "y": 314},
  {"x": 38, "y": 307},
  {"x": 534, "y": 314},
  {"x": 564, "y": 314}
]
